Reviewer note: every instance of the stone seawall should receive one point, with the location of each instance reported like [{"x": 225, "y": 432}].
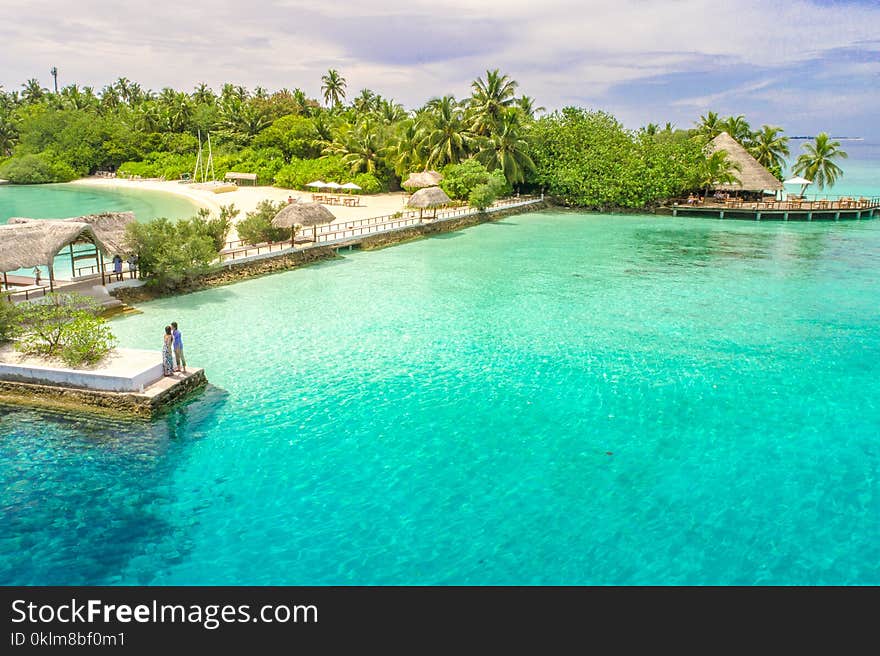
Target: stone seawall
[
  {"x": 118, "y": 404},
  {"x": 372, "y": 242}
]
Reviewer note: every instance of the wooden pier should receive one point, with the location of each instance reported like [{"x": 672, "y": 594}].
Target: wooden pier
[{"x": 819, "y": 209}]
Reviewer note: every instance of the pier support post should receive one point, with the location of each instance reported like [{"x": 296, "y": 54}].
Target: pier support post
[
  {"x": 758, "y": 216},
  {"x": 785, "y": 216},
  {"x": 837, "y": 216},
  {"x": 809, "y": 216},
  {"x": 721, "y": 215},
  {"x": 674, "y": 212}
]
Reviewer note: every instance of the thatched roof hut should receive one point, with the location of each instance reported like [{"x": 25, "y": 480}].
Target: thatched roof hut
[
  {"x": 29, "y": 243},
  {"x": 429, "y": 197},
  {"x": 108, "y": 228},
  {"x": 304, "y": 214},
  {"x": 752, "y": 176},
  {"x": 422, "y": 179}
]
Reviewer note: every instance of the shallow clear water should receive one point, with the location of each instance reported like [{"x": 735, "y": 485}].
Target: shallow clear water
[
  {"x": 59, "y": 201},
  {"x": 555, "y": 398}
]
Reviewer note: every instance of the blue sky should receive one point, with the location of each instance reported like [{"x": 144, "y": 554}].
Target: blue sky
[{"x": 808, "y": 65}]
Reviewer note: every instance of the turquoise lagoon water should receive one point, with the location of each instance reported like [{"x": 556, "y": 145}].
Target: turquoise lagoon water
[
  {"x": 555, "y": 398},
  {"x": 66, "y": 200}
]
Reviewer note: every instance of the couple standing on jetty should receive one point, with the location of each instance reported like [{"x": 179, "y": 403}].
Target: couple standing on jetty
[{"x": 172, "y": 342}]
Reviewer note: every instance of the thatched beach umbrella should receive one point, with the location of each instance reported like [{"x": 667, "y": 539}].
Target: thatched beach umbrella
[
  {"x": 303, "y": 214},
  {"x": 422, "y": 180},
  {"x": 428, "y": 197}
]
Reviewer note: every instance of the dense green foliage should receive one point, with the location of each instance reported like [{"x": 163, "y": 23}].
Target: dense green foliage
[
  {"x": 65, "y": 326},
  {"x": 172, "y": 253},
  {"x": 589, "y": 159},
  {"x": 257, "y": 228},
  {"x": 288, "y": 139},
  {"x": 8, "y": 321},
  {"x": 459, "y": 180}
]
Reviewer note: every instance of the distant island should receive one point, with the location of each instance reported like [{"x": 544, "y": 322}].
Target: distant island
[{"x": 834, "y": 138}]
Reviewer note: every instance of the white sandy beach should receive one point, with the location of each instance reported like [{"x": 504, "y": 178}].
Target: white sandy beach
[{"x": 246, "y": 198}]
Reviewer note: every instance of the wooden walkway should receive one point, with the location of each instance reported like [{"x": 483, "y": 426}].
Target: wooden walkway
[{"x": 827, "y": 209}]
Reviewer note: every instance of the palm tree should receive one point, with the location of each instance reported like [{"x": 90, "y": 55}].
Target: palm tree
[
  {"x": 709, "y": 126},
  {"x": 528, "y": 108},
  {"x": 405, "y": 153},
  {"x": 33, "y": 92},
  {"x": 738, "y": 128},
  {"x": 445, "y": 136},
  {"x": 203, "y": 94},
  {"x": 718, "y": 169},
  {"x": 489, "y": 98},
  {"x": 506, "y": 149},
  {"x": 770, "y": 148},
  {"x": 8, "y": 133},
  {"x": 391, "y": 112},
  {"x": 361, "y": 149},
  {"x": 365, "y": 101},
  {"x": 651, "y": 129},
  {"x": 817, "y": 163},
  {"x": 333, "y": 87}
]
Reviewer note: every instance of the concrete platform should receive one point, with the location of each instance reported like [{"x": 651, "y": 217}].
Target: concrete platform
[{"x": 123, "y": 370}]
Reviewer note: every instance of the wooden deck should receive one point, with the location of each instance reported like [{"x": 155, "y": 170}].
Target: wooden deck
[{"x": 828, "y": 209}]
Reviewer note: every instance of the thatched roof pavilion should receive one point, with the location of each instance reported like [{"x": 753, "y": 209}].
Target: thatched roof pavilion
[
  {"x": 752, "y": 176},
  {"x": 108, "y": 229},
  {"x": 304, "y": 214},
  {"x": 31, "y": 243},
  {"x": 26, "y": 243},
  {"x": 422, "y": 179}
]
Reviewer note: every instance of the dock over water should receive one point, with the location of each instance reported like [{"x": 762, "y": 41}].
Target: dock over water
[{"x": 820, "y": 209}]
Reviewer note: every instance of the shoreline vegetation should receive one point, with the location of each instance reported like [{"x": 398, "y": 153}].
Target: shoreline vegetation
[{"x": 581, "y": 158}]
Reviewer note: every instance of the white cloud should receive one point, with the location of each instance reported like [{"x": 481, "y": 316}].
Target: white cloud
[{"x": 561, "y": 51}]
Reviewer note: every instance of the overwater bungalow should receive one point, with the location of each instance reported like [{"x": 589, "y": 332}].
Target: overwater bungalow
[{"x": 758, "y": 196}]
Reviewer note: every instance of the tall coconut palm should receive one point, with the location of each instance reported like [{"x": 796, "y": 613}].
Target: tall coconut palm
[
  {"x": 817, "y": 162},
  {"x": 489, "y": 98},
  {"x": 203, "y": 94},
  {"x": 405, "y": 153},
  {"x": 362, "y": 148},
  {"x": 709, "y": 126},
  {"x": 333, "y": 87},
  {"x": 718, "y": 169},
  {"x": 738, "y": 128},
  {"x": 506, "y": 149},
  {"x": 446, "y": 138},
  {"x": 527, "y": 105},
  {"x": 770, "y": 148},
  {"x": 8, "y": 133},
  {"x": 391, "y": 112},
  {"x": 365, "y": 101},
  {"x": 32, "y": 92}
]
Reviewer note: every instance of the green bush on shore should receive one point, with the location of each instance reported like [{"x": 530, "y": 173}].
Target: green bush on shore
[
  {"x": 65, "y": 326},
  {"x": 172, "y": 253},
  {"x": 257, "y": 227},
  {"x": 36, "y": 169}
]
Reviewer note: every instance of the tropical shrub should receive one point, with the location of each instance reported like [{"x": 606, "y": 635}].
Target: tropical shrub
[
  {"x": 459, "y": 180},
  {"x": 172, "y": 253},
  {"x": 589, "y": 159},
  {"x": 481, "y": 197},
  {"x": 217, "y": 228},
  {"x": 293, "y": 135},
  {"x": 36, "y": 169},
  {"x": 257, "y": 227},
  {"x": 65, "y": 326},
  {"x": 8, "y": 319},
  {"x": 369, "y": 184}
]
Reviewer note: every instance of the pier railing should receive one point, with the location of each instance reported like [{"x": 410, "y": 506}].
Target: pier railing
[
  {"x": 814, "y": 202},
  {"x": 334, "y": 233}
]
